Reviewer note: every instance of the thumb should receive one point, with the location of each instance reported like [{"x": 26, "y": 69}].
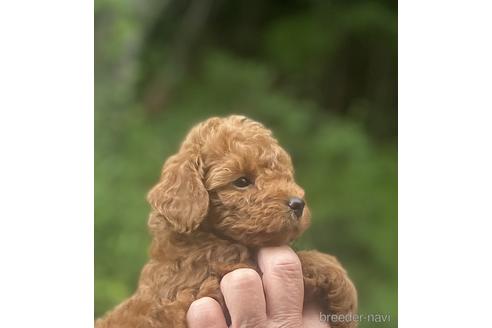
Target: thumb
[{"x": 283, "y": 284}]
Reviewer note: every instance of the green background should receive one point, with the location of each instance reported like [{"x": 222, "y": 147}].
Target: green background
[{"x": 321, "y": 74}]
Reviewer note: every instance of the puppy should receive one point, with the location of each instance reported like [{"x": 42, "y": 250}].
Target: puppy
[{"x": 228, "y": 191}]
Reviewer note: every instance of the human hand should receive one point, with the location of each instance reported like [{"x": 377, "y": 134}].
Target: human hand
[{"x": 274, "y": 300}]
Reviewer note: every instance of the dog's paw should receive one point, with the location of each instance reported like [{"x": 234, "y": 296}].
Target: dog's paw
[{"x": 326, "y": 281}]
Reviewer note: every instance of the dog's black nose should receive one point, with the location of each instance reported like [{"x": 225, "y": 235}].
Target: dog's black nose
[{"x": 297, "y": 205}]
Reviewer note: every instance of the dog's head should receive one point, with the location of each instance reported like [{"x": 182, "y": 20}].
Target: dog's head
[{"x": 231, "y": 176}]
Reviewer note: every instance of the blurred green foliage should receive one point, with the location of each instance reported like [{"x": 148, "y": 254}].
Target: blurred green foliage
[{"x": 320, "y": 74}]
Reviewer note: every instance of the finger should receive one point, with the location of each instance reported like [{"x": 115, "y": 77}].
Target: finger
[
  {"x": 283, "y": 283},
  {"x": 205, "y": 312},
  {"x": 313, "y": 316},
  {"x": 244, "y": 297}
]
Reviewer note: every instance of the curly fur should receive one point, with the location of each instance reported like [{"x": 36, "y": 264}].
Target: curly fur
[{"x": 204, "y": 227}]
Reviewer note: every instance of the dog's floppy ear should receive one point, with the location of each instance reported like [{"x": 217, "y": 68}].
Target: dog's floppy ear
[{"x": 180, "y": 198}]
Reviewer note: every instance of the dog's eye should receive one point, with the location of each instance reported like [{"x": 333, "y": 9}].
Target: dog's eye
[{"x": 242, "y": 182}]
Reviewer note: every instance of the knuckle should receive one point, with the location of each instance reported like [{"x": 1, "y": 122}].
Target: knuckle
[
  {"x": 286, "y": 264},
  {"x": 251, "y": 323},
  {"x": 282, "y": 321},
  {"x": 241, "y": 278}
]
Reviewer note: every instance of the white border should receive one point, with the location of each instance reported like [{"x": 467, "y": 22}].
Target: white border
[
  {"x": 445, "y": 163},
  {"x": 46, "y": 170}
]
